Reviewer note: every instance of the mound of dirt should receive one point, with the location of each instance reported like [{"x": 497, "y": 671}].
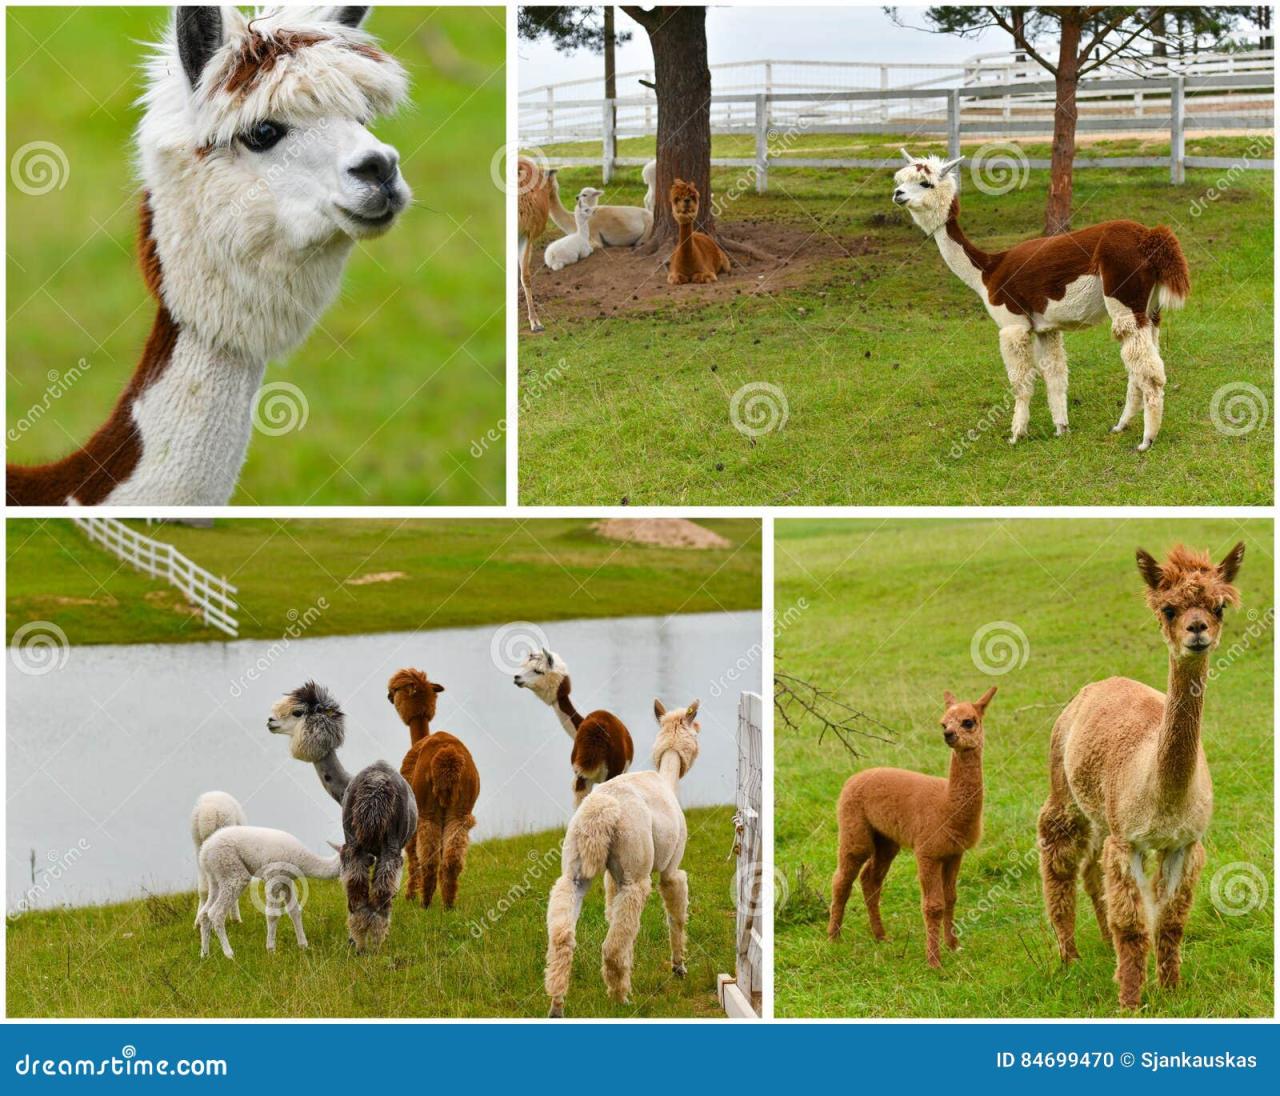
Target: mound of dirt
[
  {"x": 662, "y": 532},
  {"x": 617, "y": 280},
  {"x": 376, "y": 576}
]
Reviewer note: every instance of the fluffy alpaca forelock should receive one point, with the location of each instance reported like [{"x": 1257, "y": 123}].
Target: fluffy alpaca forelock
[
  {"x": 542, "y": 676},
  {"x": 322, "y": 729},
  {"x": 679, "y": 735}
]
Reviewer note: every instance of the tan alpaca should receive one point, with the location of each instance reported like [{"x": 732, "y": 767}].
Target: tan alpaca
[
  {"x": 883, "y": 810},
  {"x": 633, "y": 826},
  {"x": 611, "y": 225},
  {"x": 697, "y": 257},
  {"x": 1129, "y": 783},
  {"x": 533, "y": 206}
]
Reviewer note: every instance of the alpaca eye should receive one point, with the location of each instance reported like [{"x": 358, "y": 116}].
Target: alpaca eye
[
  {"x": 1169, "y": 612},
  {"x": 263, "y": 136},
  {"x": 927, "y": 186},
  {"x": 298, "y": 713},
  {"x": 1218, "y": 612},
  {"x": 967, "y": 724}
]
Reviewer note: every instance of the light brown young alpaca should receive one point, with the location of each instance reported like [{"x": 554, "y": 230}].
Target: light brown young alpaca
[
  {"x": 697, "y": 257},
  {"x": 445, "y": 784},
  {"x": 883, "y": 810},
  {"x": 1129, "y": 782},
  {"x": 533, "y": 207}
]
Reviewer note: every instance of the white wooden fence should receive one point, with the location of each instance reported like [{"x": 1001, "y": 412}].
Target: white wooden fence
[
  {"x": 740, "y": 993},
  {"x": 213, "y": 595}
]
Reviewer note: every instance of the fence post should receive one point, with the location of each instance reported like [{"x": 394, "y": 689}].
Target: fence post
[
  {"x": 608, "y": 124},
  {"x": 953, "y": 123},
  {"x": 762, "y": 143},
  {"x": 884, "y": 88},
  {"x": 648, "y": 107},
  {"x": 551, "y": 114},
  {"x": 1177, "y": 131}
]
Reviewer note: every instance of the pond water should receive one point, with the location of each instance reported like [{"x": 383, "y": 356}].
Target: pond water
[{"x": 107, "y": 753}]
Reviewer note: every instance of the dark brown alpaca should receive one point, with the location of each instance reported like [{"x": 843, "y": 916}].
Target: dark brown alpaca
[
  {"x": 697, "y": 257},
  {"x": 883, "y": 810},
  {"x": 445, "y": 784}
]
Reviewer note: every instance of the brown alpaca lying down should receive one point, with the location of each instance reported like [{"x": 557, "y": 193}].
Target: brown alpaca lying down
[
  {"x": 883, "y": 810},
  {"x": 697, "y": 257}
]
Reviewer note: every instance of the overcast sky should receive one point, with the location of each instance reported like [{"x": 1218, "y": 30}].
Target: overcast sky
[{"x": 771, "y": 33}]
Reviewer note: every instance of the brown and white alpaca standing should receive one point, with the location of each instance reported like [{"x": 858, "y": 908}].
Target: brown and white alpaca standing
[
  {"x": 533, "y": 207},
  {"x": 602, "y": 746},
  {"x": 1042, "y": 287},
  {"x": 1129, "y": 783},
  {"x": 883, "y": 810},
  {"x": 446, "y": 785},
  {"x": 697, "y": 257},
  {"x": 626, "y": 830}
]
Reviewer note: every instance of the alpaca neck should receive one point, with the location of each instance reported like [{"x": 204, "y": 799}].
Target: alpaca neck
[
  {"x": 568, "y": 715},
  {"x": 333, "y": 776},
  {"x": 964, "y": 791},
  {"x": 669, "y": 768},
  {"x": 1178, "y": 745},
  {"x": 686, "y": 231},
  {"x": 967, "y": 261},
  {"x": 564, "y": 220},
  {"x": 418, "y": 728},
  {"x": 582, "y": 223}
]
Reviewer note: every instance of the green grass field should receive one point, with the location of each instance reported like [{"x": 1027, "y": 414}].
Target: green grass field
[
  {"x": 890, "y": 367},
  {"x": 401, "y": 376},
  {"x": 484, "y": 958},
  {"x": 456, "y": 574},
  {"x": 889, "y": 612}
]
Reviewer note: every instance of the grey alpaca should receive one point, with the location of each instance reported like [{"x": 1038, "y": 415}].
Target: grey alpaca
[{"x": 379, "y": 814}]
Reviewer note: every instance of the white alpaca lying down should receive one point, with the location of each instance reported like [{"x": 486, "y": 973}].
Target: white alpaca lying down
[
  {"x": 611, "y": 225},
  {"x": 212, "y": 811},
  {"x": 233, "y": 856},
  {"x": 570, "y": 249}
]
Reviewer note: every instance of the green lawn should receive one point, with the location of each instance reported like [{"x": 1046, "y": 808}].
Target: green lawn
[
  {"x": 890, "y": 367},
  {"x": 402, "y": 375},
  {"x": 456, "y": 573},
  {"x": 484, "y": 958},
  {"x": 882, "y": 614}
]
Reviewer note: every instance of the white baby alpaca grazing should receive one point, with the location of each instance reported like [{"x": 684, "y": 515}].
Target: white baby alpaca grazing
[
  {"x": 235, "y": 855},
  {"x": 571, "y": 249},
  {"x": 213, "y": 811}
]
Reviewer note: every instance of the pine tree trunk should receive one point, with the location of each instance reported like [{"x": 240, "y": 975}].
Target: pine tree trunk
[
  {"x": 682, "y": 82},
  {"x": 1057, "y": 214}
]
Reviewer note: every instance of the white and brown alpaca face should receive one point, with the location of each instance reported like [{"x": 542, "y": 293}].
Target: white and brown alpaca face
[
  {"x": 1189, "y": 596},
  {"x": 927, "y": 188},
  {"x": 588, "y": 199},
  {"x": 259, "y": 167},
  {"x": 678, "y": 731},
  {"x": 962, "y": 721},
  {"x": 312, "y": 720},
  {"x": 541, "y": 673}
]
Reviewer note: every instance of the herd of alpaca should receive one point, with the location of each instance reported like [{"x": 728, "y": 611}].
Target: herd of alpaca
[
  {"x": 259, "y": 175},
  {"x": 625, "y": 826},
  {"x": 1129, "y": 797}
]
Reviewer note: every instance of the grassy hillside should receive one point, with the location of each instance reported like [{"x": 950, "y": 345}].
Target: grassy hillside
[
  {"x": 455, "y": 573},
  {"x": 890, "y": 612},
  {"x": 890, "y": 368},
  {"x": 401, "y": 376},
  {"x": 484, "y": 958}
]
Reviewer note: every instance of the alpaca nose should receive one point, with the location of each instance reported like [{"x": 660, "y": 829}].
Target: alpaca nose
[
  {"x": 1198, "y": 626},
  {"x": 377, "y": 167}
]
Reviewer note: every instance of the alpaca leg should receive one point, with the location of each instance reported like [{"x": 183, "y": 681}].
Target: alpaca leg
[
  {"x": 526, "y": 251},
  {"x": 203, "y": 917},
  {"x": 1179, "y": 874},
  {"x": 1132, "y": 401},
  {"x": 430, "y": 837},
  {"x": 227, "y": 895},
  {"x": 1019, "y": 364},
  {"x": 414, "y": 888},
  {"x": 1095, "y": 888},
  {"x": 950, "y": 875},
  {"x": 851, "y": 855},
  {"x": 873, "y": 880},
  {"x": 933, "y": 904},
  {"x": 619, "y": 942},
  {"x": 1052, "y": 358},
  {"x": 1143, "y": 361},
  {"x": 202, "y": 890},
  {"x": 610, "y": 893},
  {"x": 295, "y": 915},
  {"x": 563, "y": 909},
  {"x": 674, "y": 888},
  {"x": 1126, "y": 912},
  {"x": 1063, "y": 839},
  {"x": 457, "y": 832}
]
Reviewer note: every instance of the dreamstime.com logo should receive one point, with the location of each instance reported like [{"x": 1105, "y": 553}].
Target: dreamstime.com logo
[
  {"x": 125, "y": 1064},
  {"x": 39, "y": 647},
  {"x": 999, "y": 168},
  {"x": 39, "y": 167},
  {"x": 280, "y": 407},
  {"x": 279, "y": 886},
  {"x": 513, "y": 643},
  {"x": 999, "y": 647},
  {"x": 1238, "y": 408},
  {"x": 1238, "y": 888},
  {"x": 502, "y": 156},
  {"x": 758, "y": 408}
]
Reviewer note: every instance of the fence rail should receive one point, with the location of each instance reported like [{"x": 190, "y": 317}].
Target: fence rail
[
  {"x": 740, "y": 993},
  {"x": 213, "y": 595}
]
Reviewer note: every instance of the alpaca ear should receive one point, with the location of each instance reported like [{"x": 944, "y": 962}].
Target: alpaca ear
[
  {"x": 948, "y": 698},
  {"x": 437, "y": 688},
  {"x": 1149, "y": 569},
  {"x": 907, "y": 156},
  {"x": 949, "y": 167},
  {"x": 658, "y": 710},
  {"x": 1230, "y": 565},
  {"x": 348, "y": 17},
  {"x": 691, "y": 713},
  {"x": 549, "y": 657},
  {"x": 200, "y": 36},
  {"x": 335, "y": 848},
  {"x": 985, "y": 699}
]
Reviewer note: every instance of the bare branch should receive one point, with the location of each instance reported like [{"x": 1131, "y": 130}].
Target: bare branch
[
  {"x": 798, "y": 702},
  {"x": 1020, "y": 40}
]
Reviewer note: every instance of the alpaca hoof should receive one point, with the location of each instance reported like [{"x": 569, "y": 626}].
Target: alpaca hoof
[
  {"x": 1118, "y": 428},
  {"x": 536, "y": 328},
  {"x": 679, "y": 970},
  {"x": 557, "y": 1011},
  {"x": 935, "y": 963},
  {"x": 1147, "y": 443},
  {"x": 271, "y": 948},
  {"x": 1060, "y": 429},
  {"x": 833, "y": 935}
]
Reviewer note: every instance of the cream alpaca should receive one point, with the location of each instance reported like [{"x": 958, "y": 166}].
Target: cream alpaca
[
  {"x": 630, "y": 827},
  {"x": 1042, "y": 287},
  {"x": 235, "y": 855},
  {"x": 1129, "y": 783},
  {"x": 212, "y": 811},
  {"x": 576, "y": 246},
  {"x": 611, "y": 225},
  {"x": 259, "y": 175},
  {"x": 649, "y": 173}
]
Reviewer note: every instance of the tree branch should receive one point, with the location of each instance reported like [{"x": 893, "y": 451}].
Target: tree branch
[
  {"x": 1142, "y": 28},
  {"x": 650, "y": 20},
  {"x": 1020, "y": 40},
  {"x": 797, "y": 702}
]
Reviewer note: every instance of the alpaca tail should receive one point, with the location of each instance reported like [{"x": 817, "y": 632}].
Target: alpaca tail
[
  {"x": 590, "y": 836},
  {"x": 1164, "y": 256}
]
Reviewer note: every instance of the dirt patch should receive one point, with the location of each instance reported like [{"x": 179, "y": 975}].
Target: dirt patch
[
  {"x": 173, "y": 601},
  {"x": 662, "y": 532},
  {"x": 617, "y": 280},
  {"x": 377, "y": 576}
]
